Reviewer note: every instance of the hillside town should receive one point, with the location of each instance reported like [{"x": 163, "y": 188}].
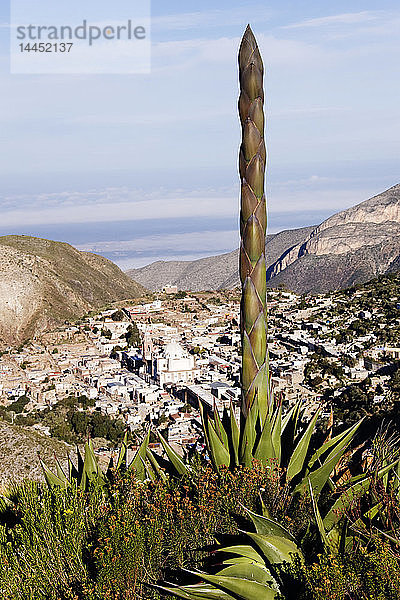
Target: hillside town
[{"x": 152, "y": 363}]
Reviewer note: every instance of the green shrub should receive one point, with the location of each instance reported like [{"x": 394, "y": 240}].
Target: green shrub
[
  {"x": 94, "y": 546},
  {"x": 359, "y": 575}
]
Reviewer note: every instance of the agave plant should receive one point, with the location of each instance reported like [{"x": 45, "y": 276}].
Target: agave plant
[
  {"x": 253, "y": 570},
  {"x": 276, "y": 442},
  {"x": 145, "y": 463},
  {"x": 336, "y": 531},
  {"x": 372, "y": 514},
  {"x": 258, "y": 568},
  {"x": 85, "y": 472}
]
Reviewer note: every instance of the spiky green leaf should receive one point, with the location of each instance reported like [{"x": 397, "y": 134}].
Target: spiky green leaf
[
  {"x": 275, "y": 548},
  {"x": 176, "y": 461},
  {"x": 266, "y": 526},
  {"x": 219, "y": 454},
  {"x": 299, "y": 455}
]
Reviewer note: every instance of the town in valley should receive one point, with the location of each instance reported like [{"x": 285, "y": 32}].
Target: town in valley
[{"x": 150, "y": 362}]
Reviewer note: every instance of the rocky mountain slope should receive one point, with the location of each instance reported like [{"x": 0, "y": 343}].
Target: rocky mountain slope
[
  {"x": 19, "y": 448},
  {"x": 214, "y": 272},
  {"x": 42, "y": 283},
  {"x": 350, "y": 247}
]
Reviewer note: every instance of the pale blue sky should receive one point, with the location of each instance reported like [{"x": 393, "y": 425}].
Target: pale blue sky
[{"x": 150, "y": 160}]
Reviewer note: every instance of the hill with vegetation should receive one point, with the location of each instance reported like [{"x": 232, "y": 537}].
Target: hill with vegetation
[{"x": 43, "y": 283}]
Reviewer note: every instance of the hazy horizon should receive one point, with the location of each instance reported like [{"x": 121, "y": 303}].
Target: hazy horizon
[{"x": 144, "y": 167}]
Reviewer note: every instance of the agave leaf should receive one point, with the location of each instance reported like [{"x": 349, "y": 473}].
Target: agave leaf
[
  {"x": 148, "y": 469},
  {"x": 338, "y": 539},
  {"x": 244, "y": 551},
  {"x": 248, "y": 570},
  {"x": 90, "y": 464},
  {"x": 121, "y": 462},
  {"x": 150, "y": 456},
  {"x": 51, "y": 479},
  {"x": 176, "y": 461},
  {"x": 298, "y": 457},
  {"x": 396, "y": 482},
  {"x": 246, "y": 589},
  {"x": 235, "y": 435},
  {"x": 90, "y": 471},
  {"x": 287, "y": 418},
  {"x": 370, "y": 514},
  {"x": 275, "y": 548},
  {"x": 318, "y": 519},
  {"x": 220, "y": 429},
  {"x": 201, "y": 591},
  {"x": 341, "y": 440},
  {"x": 267, "y": 527},
  {"x": 289, "y": 432},
  {"x": 295, "y": 417},
  {"x": 59, "y": 471},
  {"x": 237, "y": 560},
  {"x": 136, "y": 463},
  {"x": 320, "y": 476},
  {"x": 265, "y": 451},
  {"x": 337, "y": 511},
  {"x": 333, "y": 538},
  {"x": 204, "y": 420},
  {"x": 73, "y": 473},
  {"x": 80, "y": 462},
  {"x": 219, "y": 454},
  {"x": 277, "y": 433}
]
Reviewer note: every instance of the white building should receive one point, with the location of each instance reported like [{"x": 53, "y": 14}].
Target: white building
[{"x": 175, "y": 365}]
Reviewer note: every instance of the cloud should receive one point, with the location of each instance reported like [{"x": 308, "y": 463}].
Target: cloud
[
  {"x": 147, "y": 249},
  {"x": 292, "y": 196},
  {"x": 150, "y": 118},
  {"x": 206, "y": 240},
  {"x": 192, "y": 53},
  {"x": 340, "y": 19},
  {"x": 314, "y": 192},
  {"x": 210, "y": 18},
  {"x": 117, "y": 210}
]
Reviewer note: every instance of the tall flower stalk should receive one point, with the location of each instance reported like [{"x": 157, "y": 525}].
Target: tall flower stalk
[{"x": 253, "y": 223}]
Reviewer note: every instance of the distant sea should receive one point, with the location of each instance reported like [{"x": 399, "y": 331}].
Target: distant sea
[{"x": 132, "y": 244}]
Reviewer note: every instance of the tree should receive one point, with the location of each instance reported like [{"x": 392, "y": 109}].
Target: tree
[
  {"x": 119, "y": 315},
  {"x": 132, "y": 335},
  {"x": 19, "y": 405},
  {"x": 80, "y": 422},
  {"x": 114, "y": 351},
  {"x": 85, "y": 402}
]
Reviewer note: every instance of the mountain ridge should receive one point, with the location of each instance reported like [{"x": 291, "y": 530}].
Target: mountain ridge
[
  {"x": 221, "y": 273},
  {"x": 347, "y": 248}
]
